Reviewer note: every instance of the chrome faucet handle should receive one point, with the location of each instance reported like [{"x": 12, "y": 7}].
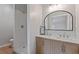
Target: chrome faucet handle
[
  {"x": 63, "y": 35},
  {"x": 67, "y": 36}
]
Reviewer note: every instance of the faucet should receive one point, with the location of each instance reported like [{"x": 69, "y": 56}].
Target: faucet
[{"x": 62, "y": 35}]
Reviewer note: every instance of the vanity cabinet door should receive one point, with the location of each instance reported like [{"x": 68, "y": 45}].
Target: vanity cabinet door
[
  {"x": 56, "y": 47},
  {"x": 52, "y": 47},
  {"x": 39, "y": 45},
  {"x": 47, "y": 46},
  {"x": 71, "y": 48}
]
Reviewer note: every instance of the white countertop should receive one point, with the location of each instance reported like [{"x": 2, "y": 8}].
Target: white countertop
[{"x": 76, "y": 41}]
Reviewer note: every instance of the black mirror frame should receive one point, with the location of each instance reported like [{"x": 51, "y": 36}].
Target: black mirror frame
[{"x": 54, "y": 12}]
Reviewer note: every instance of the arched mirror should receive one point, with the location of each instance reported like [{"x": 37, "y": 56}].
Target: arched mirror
[{"x": 59, "y": 20}]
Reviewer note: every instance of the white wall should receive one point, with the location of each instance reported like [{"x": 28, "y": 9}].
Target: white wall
[
  {"x": 34, "y": 14},
  {"x": 20, "y": 35},
  {"x": 77, "y": 21},
  {"x": 6, "y": 23}
]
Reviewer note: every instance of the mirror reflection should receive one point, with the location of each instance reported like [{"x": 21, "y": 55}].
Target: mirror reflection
[{"x": 59, "y": 20}]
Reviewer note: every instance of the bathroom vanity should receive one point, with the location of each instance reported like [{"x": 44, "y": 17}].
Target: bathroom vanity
[
  {"x": 57, "y": 34},
  {"x": 52, "y": 45}
]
